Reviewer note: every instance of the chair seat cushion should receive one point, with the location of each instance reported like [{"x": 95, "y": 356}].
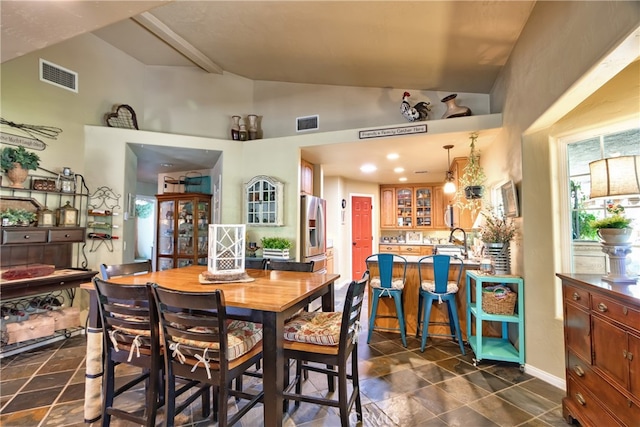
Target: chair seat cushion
[
  {"x": 396, "y": 283},
  {"x": 321, "y": 328},
  {"x": 242, "y": 336},
  {"x": 430, "y": 286}
]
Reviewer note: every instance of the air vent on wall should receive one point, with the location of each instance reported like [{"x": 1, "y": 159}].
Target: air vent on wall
[
  {"x": 58, "y": 76},
  {"x": 307, "y": 123}
]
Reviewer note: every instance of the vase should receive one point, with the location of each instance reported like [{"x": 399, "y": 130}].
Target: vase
[
  {"x": 235, "y": 128},
  {"x": 500, "y": 255},
  {"x": 453, "y": 109},
  {"x": 17, "y": 175},
  {"x": 253, "y": 126},
  {"x": 614, "y": 236}
]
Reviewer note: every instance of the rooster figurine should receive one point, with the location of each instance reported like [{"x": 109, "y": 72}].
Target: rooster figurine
[{"x": 418, "y": 112}]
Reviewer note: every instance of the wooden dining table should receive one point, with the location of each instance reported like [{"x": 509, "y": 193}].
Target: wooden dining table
[{"x": 270, "y": 298}]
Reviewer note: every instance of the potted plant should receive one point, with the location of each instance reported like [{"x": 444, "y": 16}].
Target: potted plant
[
  {"x": 496, "y": 232},
  {"x": 16, "y": 163},
  {"x": 17, "y": 217},
  {"x": 471, "y": 182},
  {"x": 613, "y": 229},
  {"x": 275, "y": 247}
]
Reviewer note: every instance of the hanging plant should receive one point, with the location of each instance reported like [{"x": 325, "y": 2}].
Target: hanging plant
[{"x": 471, "y": 184}]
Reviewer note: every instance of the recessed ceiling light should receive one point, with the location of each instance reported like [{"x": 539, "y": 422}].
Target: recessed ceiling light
[
  {"x": 368, "y": 168},
  {"x": 398, "y": 170},
  {"x": 402, "y": 179},
  {"x": 166, "y": 165},
  {"x": 393, "y": 156}
]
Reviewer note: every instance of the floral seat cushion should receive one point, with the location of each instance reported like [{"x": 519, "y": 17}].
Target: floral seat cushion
[
  {"x": 396, "y": 283},
  {"x": 430, "y": 286},
  {"x": 321, "y": 328},
  {"x": 242, "y": 336}
]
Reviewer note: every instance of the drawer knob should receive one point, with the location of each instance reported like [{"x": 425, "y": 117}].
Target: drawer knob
[
  {"x": 602, "y": 307},
  {"x": 625, "y": 310},
  {"x": 409, "y": 249},
  {"x": 629, "y": 355},
  {"x": 578, "y": 370},
  {"x": 66, "y": 235},
  {"x": 580, "y": 399},
  {"x": 576, "y": 296},
  {"x": 26, "y": 236}
]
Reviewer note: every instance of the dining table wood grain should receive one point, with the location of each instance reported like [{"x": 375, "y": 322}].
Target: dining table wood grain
[{"x": 271, "y": 298}]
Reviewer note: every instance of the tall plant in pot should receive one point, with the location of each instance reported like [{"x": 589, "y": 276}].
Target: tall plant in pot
[
  {"x": 471, "y": 183},
  {"x": 16, "y": 162}
]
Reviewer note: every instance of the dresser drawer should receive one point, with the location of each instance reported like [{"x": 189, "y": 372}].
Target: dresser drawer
[
  {"x": 626, "y": 409},
  {"x": 615, "y": 310},
  {"x": 587, "y": 406},
  {"x": 66, "y": 235},
  {"x": 389, "y": 249},
  {"x": 27, "y": 235},
  {"x": 576, "y": 295}
]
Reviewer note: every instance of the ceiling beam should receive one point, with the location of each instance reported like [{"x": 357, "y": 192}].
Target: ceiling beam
[{"x": 157, "y": 27}]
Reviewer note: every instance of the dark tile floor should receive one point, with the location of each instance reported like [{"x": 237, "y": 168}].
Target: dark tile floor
[{"x": 399, "y": 386}]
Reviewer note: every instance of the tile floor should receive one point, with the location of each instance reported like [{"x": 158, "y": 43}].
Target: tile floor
[{"x": 399, "y": 387}]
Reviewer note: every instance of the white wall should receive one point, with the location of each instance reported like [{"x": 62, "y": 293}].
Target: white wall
[{"x": 560, "y": 44}]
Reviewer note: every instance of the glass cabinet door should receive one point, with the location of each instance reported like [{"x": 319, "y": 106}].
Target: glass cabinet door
[
  {"x": 165, "y": 227},
  {"x": 423, "y": 207},
  {"x": 404, "y": 203},
  {"x": 202, "y": 232}
]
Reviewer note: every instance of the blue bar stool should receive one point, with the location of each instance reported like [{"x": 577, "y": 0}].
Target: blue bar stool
[
  {"x": 388, "y": 285},
  {"x": 440, "y": 290}
]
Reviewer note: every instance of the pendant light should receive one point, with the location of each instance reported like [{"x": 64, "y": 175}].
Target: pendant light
[{"x": 449, "y": 181}]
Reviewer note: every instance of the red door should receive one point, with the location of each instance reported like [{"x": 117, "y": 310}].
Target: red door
[{"x": 361, "y": 237}]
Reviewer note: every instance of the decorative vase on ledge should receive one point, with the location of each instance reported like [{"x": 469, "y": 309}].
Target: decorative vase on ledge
[
  {"x": 453, "y": 109},
  {"x": 235, "y": 128}
]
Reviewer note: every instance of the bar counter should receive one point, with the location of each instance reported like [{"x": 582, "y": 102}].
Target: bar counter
[{"x": 410, "y": 299}]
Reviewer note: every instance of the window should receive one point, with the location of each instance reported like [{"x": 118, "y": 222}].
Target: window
[{"x": 580, "y": 151}]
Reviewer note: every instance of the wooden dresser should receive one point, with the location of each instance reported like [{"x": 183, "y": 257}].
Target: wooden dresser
[{"x": 602, "y": 351}]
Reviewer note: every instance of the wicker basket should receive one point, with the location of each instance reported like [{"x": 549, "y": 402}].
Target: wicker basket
[{"x": 497, "y": 302}]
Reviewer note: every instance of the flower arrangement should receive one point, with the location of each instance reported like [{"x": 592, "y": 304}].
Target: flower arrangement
[
  {"x": 496, "y": 228},
  {"x": 616, "y": 220}
]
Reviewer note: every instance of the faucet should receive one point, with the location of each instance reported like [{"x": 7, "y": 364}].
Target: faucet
[{"x": 453, "y": 240}]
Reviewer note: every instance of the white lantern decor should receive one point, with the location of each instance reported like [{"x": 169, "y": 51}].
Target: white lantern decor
[{"x": 226, "y": 254}]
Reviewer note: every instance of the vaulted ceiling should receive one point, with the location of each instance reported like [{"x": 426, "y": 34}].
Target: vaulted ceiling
[{"x": 428, "y": 45}]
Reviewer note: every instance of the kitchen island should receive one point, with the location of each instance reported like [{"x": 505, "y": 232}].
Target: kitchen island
[{"x": 410, "y": 300}]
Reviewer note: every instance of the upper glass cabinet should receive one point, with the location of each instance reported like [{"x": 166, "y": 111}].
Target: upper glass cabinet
[{"x": 264, "y": 201}]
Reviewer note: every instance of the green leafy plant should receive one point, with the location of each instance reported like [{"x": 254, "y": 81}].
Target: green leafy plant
[
  {"x": 472, "y": 176},
  {"x": 10, "y": 155},
  {"x": 496, "y": 228},
  {"x": 17, "y": 216},
  {"x": 275, "y": 243},
  {"x": 615, "y": 221}
]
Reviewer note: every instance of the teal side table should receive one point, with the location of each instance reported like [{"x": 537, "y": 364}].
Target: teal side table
[{"x": 494, "y": 348}]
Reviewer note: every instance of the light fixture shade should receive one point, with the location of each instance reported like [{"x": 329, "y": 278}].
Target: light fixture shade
[
  {"x": 615, "y": 177},
  {"x": 449, "y": 184}
]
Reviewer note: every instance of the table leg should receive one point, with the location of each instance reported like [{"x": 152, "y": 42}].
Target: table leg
[
  {"x": 273, "y": 367},
  {"x": 93, "y": 369}
]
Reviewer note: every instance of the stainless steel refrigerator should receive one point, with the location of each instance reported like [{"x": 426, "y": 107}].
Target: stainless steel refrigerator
[{"x": 313, "y": 235}]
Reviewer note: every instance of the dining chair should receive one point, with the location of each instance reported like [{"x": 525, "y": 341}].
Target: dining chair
[
  {"x": 257, "y": 264},
  {"x": 128, "y": 269},
  {"x": 440, "y": 288},
  {"x": 131, "y": 336},
  {"x": 329, "y": 339},
  {"x": 203, "y": 345},
  {"x": 291, "y": 266},
  {"x": 389, "y": 282}
]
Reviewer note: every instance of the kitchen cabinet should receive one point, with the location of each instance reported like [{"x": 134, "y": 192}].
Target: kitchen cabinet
[
  {"x": 494, "y": 348},
  {"x": 602, "y": 344},
  {"x": 462, "y": 218},
  {"x": 264, "y": 201},
  {"x": 182, "y": 229},
  {"x": 306, "y": 177},
  {"x": 398, "y": 249},
  {"x": 330, "y": 262},
  {"x": 408, "y": 207},
  {"x": 440, "y": 201}
]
